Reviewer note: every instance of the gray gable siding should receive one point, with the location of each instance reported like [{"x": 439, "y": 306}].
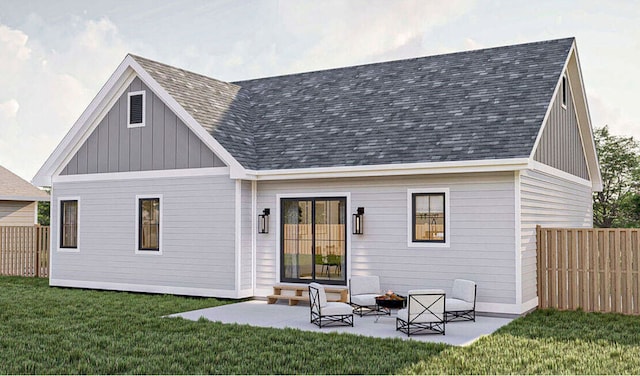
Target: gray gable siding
[
  {"x": 560, "y": 144},
  {"x": 165, "y": 142}
]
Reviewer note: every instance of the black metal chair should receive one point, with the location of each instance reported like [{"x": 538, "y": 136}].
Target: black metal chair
[
  {"x": 424, "y": 313},
  {"x": 363, "y": 291},
  {"x": 461, "y": 304},
  {"x": 325, "y": 313}
]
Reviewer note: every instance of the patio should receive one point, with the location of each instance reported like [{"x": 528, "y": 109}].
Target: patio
[{"x": 280, "y": 315}]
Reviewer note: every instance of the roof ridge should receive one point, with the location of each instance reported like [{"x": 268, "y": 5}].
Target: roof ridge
[
  {"x": 407, "y": 60},
  {"x": 135, "y": 57}
]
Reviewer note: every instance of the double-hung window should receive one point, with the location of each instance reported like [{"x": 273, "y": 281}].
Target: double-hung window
[
  {"x": 69, "y": 224},
  {"x": 149, "y": 232}
]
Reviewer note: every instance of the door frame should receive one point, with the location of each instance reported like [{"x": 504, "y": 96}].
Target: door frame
[{"x": 314, "y": 195}]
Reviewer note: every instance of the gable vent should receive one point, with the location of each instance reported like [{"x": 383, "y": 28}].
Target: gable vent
[{"x": 136, "y": 109}]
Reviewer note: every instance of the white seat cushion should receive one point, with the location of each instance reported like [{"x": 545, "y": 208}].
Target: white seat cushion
[
  {"x": 336, "y": 308},
  {"x": 426, "y": 317},
  {"x": 365, "y": 285},
  {"x": 464, "y": 290},
  {"x": 322, "y": 295},
  {"x": 457, "y": 305},
  {"x": 364, "y": 299}
]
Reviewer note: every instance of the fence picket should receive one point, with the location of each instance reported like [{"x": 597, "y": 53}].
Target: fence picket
[
  {"x": 24, "y": 251},
  {"x": 592, "y": 269}
]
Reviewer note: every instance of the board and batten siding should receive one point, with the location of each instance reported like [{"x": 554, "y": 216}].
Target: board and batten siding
[
  {"x": 198, "y": 241},
  {"x": 482, "y": 245},
  {"x": 165, "y": 142},
  {"x": 560, "y": 145},
  {"x": 548, "y": 201},
  {"x": 17, "y": 213}
]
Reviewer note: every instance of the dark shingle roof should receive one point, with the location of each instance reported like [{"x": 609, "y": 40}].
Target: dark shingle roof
[{"x": 483, "y": 104}]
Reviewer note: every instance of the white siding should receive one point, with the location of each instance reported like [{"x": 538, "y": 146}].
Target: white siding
[
  {"x": 247, "y": 233},
  {"x": 17, "y": 213},
  {"x": 197, "y": 240},
  {"x": 548, "y": 201},
  {"x": 482, "y": 232}
]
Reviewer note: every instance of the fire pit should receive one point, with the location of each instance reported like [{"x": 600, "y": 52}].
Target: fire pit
[{"x": 391, "y": 301}]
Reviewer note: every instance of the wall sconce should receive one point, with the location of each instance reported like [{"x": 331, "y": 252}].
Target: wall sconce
[
  {"x": 263, "y": 221},
  {"x": 358, "y": 222}
]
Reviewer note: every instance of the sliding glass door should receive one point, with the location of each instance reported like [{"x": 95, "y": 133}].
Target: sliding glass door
[{"x": 313, "y": 240}]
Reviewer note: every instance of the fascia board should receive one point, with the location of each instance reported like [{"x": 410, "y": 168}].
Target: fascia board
[
  {"x": 77, "y": 131},
  {"x": 495, "y": 165},
  {"x": 24, "y": 198},
  {"x": 183, "y": 115}
]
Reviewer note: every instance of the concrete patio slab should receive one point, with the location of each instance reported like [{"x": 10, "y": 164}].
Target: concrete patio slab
[{"x": 280, "y": 315}]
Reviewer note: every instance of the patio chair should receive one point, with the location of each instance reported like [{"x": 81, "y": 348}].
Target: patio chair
[
  {"x": 362, "y": 295},
  {"x": 325, "y": 313},
  {"x": 461, "y": 304},
  {"x": 424, "y": 313}
]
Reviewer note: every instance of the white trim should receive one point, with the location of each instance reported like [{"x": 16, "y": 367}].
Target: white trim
[
  {"x": 490, "y": 165},
  {"x": 593, "y": 166},
  {"x": 518, "y": 235},
  {"x": 237, "y": 170},
  {"x": 137, "y": 175},
  {"x": 548, "y": 170},
  {"x": 512, "y": 309},
  {"x": 529, "y": 305},
  {"x": 35, "y": 214},
  {"x": 97, "y": 109},
  {"x": 447, "y": 218},
  {"x": 24, "y": 198},
  {"x": 254, "y": 232},
  {"x": 154, "y": 289},
  {"x": 102, "y": 103},
  {"x": 347, "y": 195},
  {"x": 238, "y": 235},
  {"x": 137, "y": 249},
  {"x": 59, "y": 225},
  {"x": 52, "y": 232},
  {"x": 550, "y": 107},
  {"x": 144, "y": 105}
]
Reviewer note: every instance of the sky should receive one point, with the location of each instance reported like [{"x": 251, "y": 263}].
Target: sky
[{"x": 56, "y": 55}]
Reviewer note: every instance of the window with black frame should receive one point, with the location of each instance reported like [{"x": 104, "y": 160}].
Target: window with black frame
[
  {"x": 149, "y": 224},
  {"x": 428, "y": 217},
  {"x": 69, "y": 224}
]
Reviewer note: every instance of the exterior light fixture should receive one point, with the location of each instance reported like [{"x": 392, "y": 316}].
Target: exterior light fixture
[
  {"x": 358, "y": 222},
  {"x": 263, "y": 221}
]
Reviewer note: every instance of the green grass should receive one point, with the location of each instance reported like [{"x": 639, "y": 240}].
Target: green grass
[{"x": 47, "y": 330}]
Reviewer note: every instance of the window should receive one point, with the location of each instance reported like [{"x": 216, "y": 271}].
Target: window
[
  {"x": 428, "y": 218},
  {"x": 565, "y": 92},
  {"x": 69, "y": 224},
  {"x": 135, "y": 109},
  {"x": 149, "y": 230}
]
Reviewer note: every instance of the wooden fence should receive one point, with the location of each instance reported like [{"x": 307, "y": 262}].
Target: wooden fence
[
  {"x": 24, "y": 251},
  {"x": 595, "y": 270}
]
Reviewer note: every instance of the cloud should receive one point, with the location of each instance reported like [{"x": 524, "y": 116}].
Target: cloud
[
  {"x": 367, "y": 31},
  {"x": 44, "y": 90}
]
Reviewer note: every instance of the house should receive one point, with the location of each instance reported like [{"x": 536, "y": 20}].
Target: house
[
  {"x": 18, "y": 200},
  {"x": 419, "y": 171}
]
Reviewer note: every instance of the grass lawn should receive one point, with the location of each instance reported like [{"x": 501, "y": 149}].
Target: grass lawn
[{"x": 54, "y": 330}]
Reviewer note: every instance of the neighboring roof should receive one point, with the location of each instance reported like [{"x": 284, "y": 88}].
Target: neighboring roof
[
  {"x": 475, "y": 105},
  {"x": 14, "y": 188}
]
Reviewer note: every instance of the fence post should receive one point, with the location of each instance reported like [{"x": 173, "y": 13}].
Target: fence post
[{"x": 36, "y": 249}]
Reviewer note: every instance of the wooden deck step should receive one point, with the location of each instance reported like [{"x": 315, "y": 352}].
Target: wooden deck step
[{"x": 296, "y": 293}]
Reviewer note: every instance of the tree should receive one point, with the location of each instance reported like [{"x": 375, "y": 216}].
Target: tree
[
  {"x": 618, "y": 203},
  {"x": 43, "y": 213}
]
